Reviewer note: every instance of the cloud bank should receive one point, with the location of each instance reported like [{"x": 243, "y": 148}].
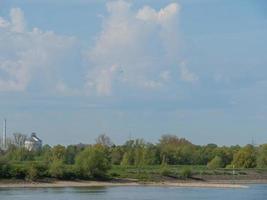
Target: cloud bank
[
  {"x": 30, "y": 56},
  {"x": 136, "y": 49}
]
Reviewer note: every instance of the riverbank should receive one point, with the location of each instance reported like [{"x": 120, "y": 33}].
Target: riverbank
[{"x": 65, "y": 184}]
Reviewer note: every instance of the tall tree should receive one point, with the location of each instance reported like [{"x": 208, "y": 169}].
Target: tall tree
[
  {"x": 93, "y": 162},
  {"x": 262, "y": 156},
  {"x": 245, "y": 157},
  {"x": 104, "y": 140},
  {"x": 19, "y": 139}
]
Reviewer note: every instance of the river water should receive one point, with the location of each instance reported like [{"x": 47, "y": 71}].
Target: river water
[{"x": 254, "y": 192}]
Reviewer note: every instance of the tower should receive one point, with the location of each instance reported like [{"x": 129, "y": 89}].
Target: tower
[{"x": 4, "y": 135}]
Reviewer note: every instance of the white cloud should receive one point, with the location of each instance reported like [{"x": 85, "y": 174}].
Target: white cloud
[
  {"x": 136, "y": 49},
  {"x": 3, "y": 23},
  {"x": 165, "y": 75},
  {"x": 186, "y": 75},
  {"x": 165, "y": 14},
  {"x": 63, "y": 89},
  {"x": 29, "y": 55},
  {"x": 17, "y": 20},
  {"x": 127, "y": 40},
  {"x": 103, "y": 80},
  {"x": 152, "y": 84},
  {"x": 18, "y": 75}
]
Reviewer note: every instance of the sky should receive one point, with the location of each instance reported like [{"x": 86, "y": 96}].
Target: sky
[{"x": 73, "y": 69}]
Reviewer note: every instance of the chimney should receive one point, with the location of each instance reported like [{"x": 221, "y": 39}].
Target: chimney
[{"x": 4, "y": 135}]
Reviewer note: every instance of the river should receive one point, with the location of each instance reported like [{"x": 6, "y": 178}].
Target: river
[{"x": 254, "y": 192}]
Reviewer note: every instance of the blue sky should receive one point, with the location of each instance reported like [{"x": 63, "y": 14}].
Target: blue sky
[{"x": 71, "y": 70}]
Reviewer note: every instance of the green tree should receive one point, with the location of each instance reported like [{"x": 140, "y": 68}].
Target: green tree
[
  {"x": 205, "y": 153},
  {"x": 128, "y": 158},
  {"x": 152, "y": 155},
  {"x": 139, "y": 153},
  {"x": 58, "y": 152},
  {"x": 186, "y": 172},
  {"x": 4, "y": 168},
  {"x": 56, "y": 168},
  {"x": 93, "y": 162},
  {"x": 225, "y": 153},
  {"x": 262, "y": 156},
  {"x": 32, "y": 173},
  {"x": 116, "y": 155},
  {"x": 46, "y": 153},
  {"x": 17, "y": 171},
  {"x": 129, "y": 153},
  {"x": 215, "y": 163},
  {"x": 175, "y": 150},
  {"x": 71, "y": 153},
  {"x": 19, "y": 154},
  {"x": 165, "y": 170},
  {"x": 245, "y": 157}
]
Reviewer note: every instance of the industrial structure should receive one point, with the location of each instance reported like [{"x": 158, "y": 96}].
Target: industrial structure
[
  {"x": 4, "y": 145},
  {"x": 33, "y": 143}
]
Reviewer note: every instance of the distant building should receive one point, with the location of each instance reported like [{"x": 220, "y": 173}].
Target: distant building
[{"x": 33, "y": 143}]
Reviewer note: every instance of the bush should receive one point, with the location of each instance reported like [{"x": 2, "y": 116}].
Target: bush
[
  {"x": 69, "y": 172},
  {"x": 93, "y": 162},
  {"x": 17, "y": 171},
  {"x": 56, "y": 169},
  {"x": 215, "y": 163},
  {"x": 262, "y": 156},
  {"x": 164, "y": 170},
  {"x": 32, "y": 173},
  {"x": 186, "y": 172},
  {"x": 4, "y": 169},
  {"x": 114, "y": 174},
  {"x": 245, "y": 157}
]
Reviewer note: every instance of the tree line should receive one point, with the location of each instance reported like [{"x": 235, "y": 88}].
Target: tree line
[{"x": 95, "y": 160}]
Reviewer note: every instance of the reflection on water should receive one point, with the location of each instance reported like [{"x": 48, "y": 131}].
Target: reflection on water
[{"x": 255, "y": 192}]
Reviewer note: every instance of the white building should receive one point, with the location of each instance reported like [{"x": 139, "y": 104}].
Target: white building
[{"x": 33, "y": 143}]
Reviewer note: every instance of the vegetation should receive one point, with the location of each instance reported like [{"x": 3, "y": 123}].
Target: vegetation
[
  {"x": 93, "y": 162},
  {"x": 186, "y": 172},
  {"x": 215, "y": 163},
  {"x": 262, "y": 158},
  {"x": 171, "y": 157}
]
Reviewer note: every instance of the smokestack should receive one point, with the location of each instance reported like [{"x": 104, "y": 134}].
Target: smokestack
[{"x": 4, "y": 135}]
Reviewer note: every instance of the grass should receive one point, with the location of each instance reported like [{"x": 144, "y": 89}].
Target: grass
[
  {"x": 170, "y": 172},
  {"x": 155, "y": 173}
]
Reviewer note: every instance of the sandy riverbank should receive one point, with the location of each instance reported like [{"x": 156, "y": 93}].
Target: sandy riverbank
[{"x": 63, "y": 184}]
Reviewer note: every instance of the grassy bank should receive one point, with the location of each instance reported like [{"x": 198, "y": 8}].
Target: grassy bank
[
  {"x": 34, "y": 170},
  {"x": 184, "y": 172}
]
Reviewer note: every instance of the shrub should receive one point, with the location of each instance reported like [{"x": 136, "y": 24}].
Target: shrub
[
  {"x": 114, "y": 174},
  {"x": 186, "y": 172},
  {"x": 69, "y": 172},
  {"x": 215, "y": 163},
  {"x": 32, "y": 173},
  {"x": 4, "y": 169},
  {"x": 93, "y": 162},
  {"x": 245, "y": 157},
  {"x": 262, "y": 156},
  {"x": 164, "y": 170},
  {"x": 56, "y": 169},
  {"x": 17, "y": 171}
]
